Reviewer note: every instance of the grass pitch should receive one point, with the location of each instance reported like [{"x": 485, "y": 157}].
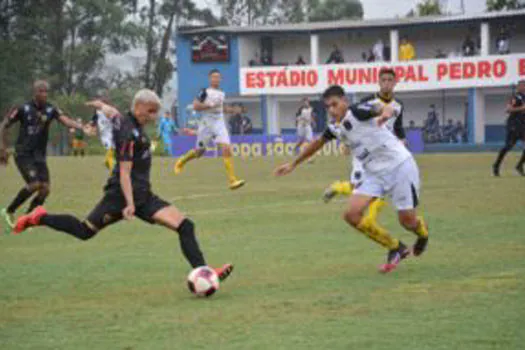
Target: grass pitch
[{"x": 303, "y": 278}]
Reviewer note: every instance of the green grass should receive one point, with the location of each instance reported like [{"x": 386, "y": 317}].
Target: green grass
[{"x": 303, "y": 279}]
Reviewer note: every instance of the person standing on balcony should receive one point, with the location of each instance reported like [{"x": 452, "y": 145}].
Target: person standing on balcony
[
  {"x": 407, "y": 52},
  {"x": 378, "y": 50},
  {"x": 336, "y": 56}
]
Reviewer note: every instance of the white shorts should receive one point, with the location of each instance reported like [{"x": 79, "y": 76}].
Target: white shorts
[
  {"x": 212, "y": 130},
  {"x": 401, "y": 185},
  {"x": 358, "y": 172},
  {"x": 305, "y": 133},
  {"x": 107, "y": 142}
]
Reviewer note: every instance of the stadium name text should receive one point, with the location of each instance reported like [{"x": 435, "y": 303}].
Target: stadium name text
[{"x": 415, "y": 75}]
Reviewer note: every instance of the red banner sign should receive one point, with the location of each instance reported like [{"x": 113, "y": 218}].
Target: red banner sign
[{"x": 415, "y": 75}]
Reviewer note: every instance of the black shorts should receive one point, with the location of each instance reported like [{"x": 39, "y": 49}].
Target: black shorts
[
  {"x": 515, "y": 131},
  {"x": 32, "y": 169},
  {"x": 109, "y": 209}
]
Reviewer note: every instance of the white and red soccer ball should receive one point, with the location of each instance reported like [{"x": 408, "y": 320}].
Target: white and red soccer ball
[{"x": 203, "y": 281}]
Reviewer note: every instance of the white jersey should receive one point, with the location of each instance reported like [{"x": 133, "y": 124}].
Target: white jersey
[
  {"x": 105, "y": 129},
  {"x": 305, "y": 117},
  {"x": 213, "y": 97},
  {"x": 376, "y": 147}
]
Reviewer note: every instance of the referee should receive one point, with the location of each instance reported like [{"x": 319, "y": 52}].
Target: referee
[{"x": 515, "y": 129}]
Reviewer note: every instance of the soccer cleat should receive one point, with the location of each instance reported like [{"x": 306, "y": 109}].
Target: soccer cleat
[
  {"x": 224, "y": 272},
  {"x": 29, "y": 220},
  {"x": 394, "y": 257},
  {"x": 420, "y": 246},
  {"x": 520, "y": 170},
  {"x": 8, "y": 219},
  {"x": 495, "y": 170},
  {"x": 177, "y": 169},
  {"x": 329, "y": 194},
  {"x": 237, "y": 184}
]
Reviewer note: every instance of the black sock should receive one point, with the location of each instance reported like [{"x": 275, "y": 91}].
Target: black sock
[
  {"x": 20, "y": 198},
  {"x": 38, "y": 200},
  {"x": 189, "y": 244},
  {"x": 501, "y": 155},
  {"x": 522, "y": 159},
  {"x": 68, "y": 224}
]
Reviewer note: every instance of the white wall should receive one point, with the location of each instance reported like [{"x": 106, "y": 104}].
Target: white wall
[
  {"x": 286, "y": 49},
  {"x": 427, "y": 40},
  {"x": 287, "y": 111},
  {"x": 248, "y": 47},
  {"x": 351, "y": 43},
  {"x": 495, "y": 108}
]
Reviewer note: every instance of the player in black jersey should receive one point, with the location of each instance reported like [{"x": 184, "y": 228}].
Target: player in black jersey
[
  {"x": 515, "y": 129},
  {"x": 34, "y": 117},
  {"x": 128, "y": 190}
]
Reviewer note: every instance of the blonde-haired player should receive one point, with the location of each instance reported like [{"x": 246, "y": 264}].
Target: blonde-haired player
[{"x": 212, "y": 127}]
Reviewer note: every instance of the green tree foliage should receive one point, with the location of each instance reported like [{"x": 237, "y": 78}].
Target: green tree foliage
[
  {"x": 426, "y": 8},
  {"x": 333, "y": 10},
  {"x": 500, "y": 5}
]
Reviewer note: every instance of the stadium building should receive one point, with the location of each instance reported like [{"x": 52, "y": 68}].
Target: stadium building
[{"x": 464, "y": 70}]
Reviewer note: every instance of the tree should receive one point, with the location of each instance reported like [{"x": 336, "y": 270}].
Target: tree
[
  {"x": 500, "y": 5},
  {"x": 333, "y": 10},
  {"x": 426, "y": 8}
]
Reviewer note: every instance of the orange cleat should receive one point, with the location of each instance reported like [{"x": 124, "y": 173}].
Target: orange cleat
[
  {"x": 224, "y": 272},
  {"x": 26, "y": 221}
]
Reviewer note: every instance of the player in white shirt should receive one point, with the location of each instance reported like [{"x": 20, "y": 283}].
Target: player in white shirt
[
  {"x": 385, "y": 96},
  {"x": 101, "y": 123},
  {"x": 212, "y": 128},
  {"x": 390, "y": 170},
  {"x": 305, "y": 122}
]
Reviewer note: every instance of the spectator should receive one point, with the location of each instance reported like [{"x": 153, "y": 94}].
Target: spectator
[
  {"x": 378, "y": 50},
  {"x": 387, "y": 53},
  {"x": 412, "y": 125},
  {"x": 440, "y": 54},
  {"x": 503, "y": 42},
  {"x": 431, "y": 129},
  {"x": 240, "y": 124},
  {"x": 449, "y": 132},
  {"x": 371, "y": 57},
  {"x": 255, "y": 61},
  {"x": 300, "y": 61},
  {"x": 336, "y": 56},
  {"x": 266, "y": 59},
  {"x": 454, "y": 53},
  {"x": 407, "y": 52},
  {"x": 460, "y": 132},
  {"x": 469, "y": 47},
  {"x": 364, "y": 56}
]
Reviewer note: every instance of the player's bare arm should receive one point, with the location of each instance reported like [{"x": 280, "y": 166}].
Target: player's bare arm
[
  {"x": 4, "y": 126},
  {"x": 203, "y": 106},
  {"x": 108, "y": 110},
  {"x": 512, "y": 109},
  {"x": 127, "y": 189},
  {"x": 307, "y": 152}
]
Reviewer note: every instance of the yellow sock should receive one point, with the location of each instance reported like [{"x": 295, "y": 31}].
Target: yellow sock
[
  {"x": 378, "y": 234},
  {"x": 421, "y": 229},
  {"x": 228, "y": 164},
  {"x": 375, "y": 208},
  {"x": 110, "y": 159},
  {"x": 342, "y": 187},
  {"x": 191, "y": 154}
]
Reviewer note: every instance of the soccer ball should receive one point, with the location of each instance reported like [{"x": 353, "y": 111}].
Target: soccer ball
[{"x": 203, "y": 281}]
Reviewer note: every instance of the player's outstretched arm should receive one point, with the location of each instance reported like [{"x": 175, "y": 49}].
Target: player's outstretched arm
[
  {"x": 108, "y": 110},
  {"x": 70, "y": 123},
  {"x": 202, "y": 106},
  {"x": 305, "y": 154}
]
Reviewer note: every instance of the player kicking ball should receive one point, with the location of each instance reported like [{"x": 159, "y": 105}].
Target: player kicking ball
[
  {"x": 390, "y": 170},
  {"x": 212, "y": 127},
  {"x": 128, "y": 190},
  {"x": 385, "y": 96}
]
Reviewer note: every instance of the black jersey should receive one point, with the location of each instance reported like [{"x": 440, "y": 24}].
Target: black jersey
[
  {"x": 34, "y": 128},
  {"x": 367, "y": 107},
  {"x": 518, "y": 100},
  {"x": 132, "y": 144}
]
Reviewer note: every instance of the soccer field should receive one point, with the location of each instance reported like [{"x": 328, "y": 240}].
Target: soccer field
[{"x": 303, "y": 278}]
